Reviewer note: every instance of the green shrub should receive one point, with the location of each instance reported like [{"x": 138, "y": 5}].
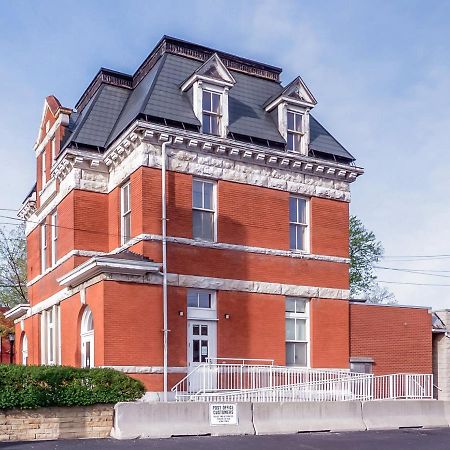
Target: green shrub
[{"x": 28, "y": 387}]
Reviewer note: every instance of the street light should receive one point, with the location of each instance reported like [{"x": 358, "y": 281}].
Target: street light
[{"x": 11, "y": 339}]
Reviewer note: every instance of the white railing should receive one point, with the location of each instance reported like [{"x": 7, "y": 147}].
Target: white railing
[{"x": 259, "y": 383}]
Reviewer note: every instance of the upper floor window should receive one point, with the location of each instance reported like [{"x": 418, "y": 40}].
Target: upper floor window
[
  {"x": 43, "y": 169},
  {"x": 203, "y": 210},
  {"x": 43, "y": 247},
  {"x": 297, "y": 331},
  {"x": 298, "y": 223},
  {"x": 211, "y": 116},
  {"x": 294, "y": 131},
  {"x": 54, "y": 226},
  {"x": 125, "y": 213}
]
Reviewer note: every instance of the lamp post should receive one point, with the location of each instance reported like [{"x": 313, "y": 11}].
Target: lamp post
[{"x": 11, "y": 338}]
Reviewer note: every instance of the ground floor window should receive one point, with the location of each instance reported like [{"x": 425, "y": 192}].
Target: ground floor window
[
  {"x": 24, "y": 350},
  {"x": 297, "y": 331},
  {"x": 51, "y": 336},
  {"x": 87, "y": 338}
]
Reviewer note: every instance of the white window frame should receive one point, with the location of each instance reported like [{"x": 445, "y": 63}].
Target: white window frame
[
  {"x": 44, "y": 245},
  {"x": 51, "y": 349},
  {"x": 87, "y": 336},
  {"x": 197, "y": 292},
  {"x": 51, "y": 361},
  {"x": 203, "y": 209},
  {"x": 297, "y": 224},
  {"x": 209, "y": 113},
  {"x": 125, "y": 215},
  {"x": 43, "y": 169},
  {"x": 304, "y": 316},
  {"x": 54, "y": 237},
  {"x": 300, "y": 133}
]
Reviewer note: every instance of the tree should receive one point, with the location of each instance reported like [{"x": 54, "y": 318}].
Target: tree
[
  {"x": 13, "y": 266},
  {"x": 365, "y": 251}
]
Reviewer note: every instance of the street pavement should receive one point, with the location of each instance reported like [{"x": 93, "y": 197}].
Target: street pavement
[{"x": 407, "y": 439}]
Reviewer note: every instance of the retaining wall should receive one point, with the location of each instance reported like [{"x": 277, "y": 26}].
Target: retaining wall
[{"x": 56, "y": 423}]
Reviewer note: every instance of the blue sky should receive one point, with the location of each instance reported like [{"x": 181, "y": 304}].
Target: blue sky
[{"x": 380, "y": 71}]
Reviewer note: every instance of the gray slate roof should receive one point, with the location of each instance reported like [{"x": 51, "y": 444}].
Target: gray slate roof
[{"x": 158, "y": 95}]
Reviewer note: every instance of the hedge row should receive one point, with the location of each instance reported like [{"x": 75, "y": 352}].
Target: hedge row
[{"x": 28, "y": 387}]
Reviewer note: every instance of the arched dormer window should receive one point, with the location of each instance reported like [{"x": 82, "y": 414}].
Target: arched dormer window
[{"x": 87, "y": 338}]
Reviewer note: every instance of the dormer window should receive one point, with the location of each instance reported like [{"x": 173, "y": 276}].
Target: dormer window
[
  {"x": 294, "y": 131},
  {"x": 290, "y": 110},
  {"x": 208, "y": 89},
  {"x": 211, "y": 116}
]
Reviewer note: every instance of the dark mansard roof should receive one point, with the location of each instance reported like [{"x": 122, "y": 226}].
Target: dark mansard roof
[{"x": 114, "y": 100}]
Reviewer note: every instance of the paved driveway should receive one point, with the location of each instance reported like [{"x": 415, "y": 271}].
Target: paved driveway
[{"x": 438, "y": 439}]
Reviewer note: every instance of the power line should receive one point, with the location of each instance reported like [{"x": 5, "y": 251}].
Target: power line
[
  {"x": 413, "y": 284},
  {"x": 417, "y": 272}
]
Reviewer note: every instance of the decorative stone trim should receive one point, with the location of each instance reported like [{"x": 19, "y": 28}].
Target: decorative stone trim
[
  {"x": 146, "y": 369},
  {"x": 56, "y": 423}
]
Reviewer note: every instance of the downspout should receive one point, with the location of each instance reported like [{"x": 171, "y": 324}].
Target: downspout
[{"x": 164, "y": 257}]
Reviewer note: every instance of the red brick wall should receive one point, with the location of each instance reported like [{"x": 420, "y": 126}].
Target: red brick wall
[
  {"x": 330, "y": 227},
  {"x": 397, "y": 338},
  {"x": 255, "y": 329},
  {"x": 329, "y": 333}
]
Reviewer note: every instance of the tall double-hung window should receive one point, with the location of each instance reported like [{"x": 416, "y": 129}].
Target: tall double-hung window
[
  {"x": 54, "y": 233},
  {"x": 211, "y": 114},
  {"x": 50, "y": 336},
  {"x": 43, "y": 247},
  {"x": 298, "y": 223},
  {"x": 125, "y": 213},
  {"x": 294, "y": 131},
  {"x": 204, "y": 210},
  {"x": 297, "y": 332}
]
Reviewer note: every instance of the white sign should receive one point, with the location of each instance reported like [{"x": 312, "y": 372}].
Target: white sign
[{"x": 223, "y": 414}]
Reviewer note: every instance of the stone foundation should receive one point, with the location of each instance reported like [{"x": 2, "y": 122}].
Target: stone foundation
[{"x": 56, "y": 423}]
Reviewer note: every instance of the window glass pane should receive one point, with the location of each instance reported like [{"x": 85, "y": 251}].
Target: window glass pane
[
  {"x": 216, "y": 103},
  {"x": 208, "y": 195},
  {"x": 300, "y": 245},
  {"x": 206, "y": 101},
  {"x": 298, "y": 122},
  {"x": 293, "y": 237},
  {"x": 300, "y": 329},
  {"x": 196, "y": 330},
  {"x": 296, "y": 138},
  {"x": 300, "y": 305},
  {"x": 204, "y": 350},
  {"x": 204, "y": 300},
  {"x": 292, "y": 209},
  {"x": 290, "y": 121},
  {"x": 290, "y": 353},
  {"x": 88, "y": 354},
  {"x": 290, "y": 329},
  {"x": 197, "y": 224},
  {"x": 197, "y": 194},
  {"x": 127, "y": 227},
  {"x": 300, "y": 354},
  {"x": 301, "y": 202},
  {"x": 126, "y": 198},
  {"x": 204, "y": 330},
  {"x": 195, "y": 350},
  {"x": 214, "y": 124},
  {"x": 206, "y": 125},
  {"x": 192, "y": 299},
  {"x": 290, "y": 141},
  {"x": 290, "y": 305}
]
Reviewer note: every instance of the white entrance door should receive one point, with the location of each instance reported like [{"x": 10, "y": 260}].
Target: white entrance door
[{"x": 202, "y": 345}]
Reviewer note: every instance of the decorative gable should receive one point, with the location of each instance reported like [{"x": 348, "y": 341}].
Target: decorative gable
[{"x": 213, "y": 70}]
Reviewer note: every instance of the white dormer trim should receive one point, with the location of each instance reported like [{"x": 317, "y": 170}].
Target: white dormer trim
[{"x": 201, "y": 74}]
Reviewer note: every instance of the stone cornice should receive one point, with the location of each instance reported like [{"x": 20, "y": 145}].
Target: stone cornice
[{"x": 183, "y": 139}]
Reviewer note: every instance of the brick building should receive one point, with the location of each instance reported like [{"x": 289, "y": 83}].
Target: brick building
[{"x": 196, "y": 202}]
